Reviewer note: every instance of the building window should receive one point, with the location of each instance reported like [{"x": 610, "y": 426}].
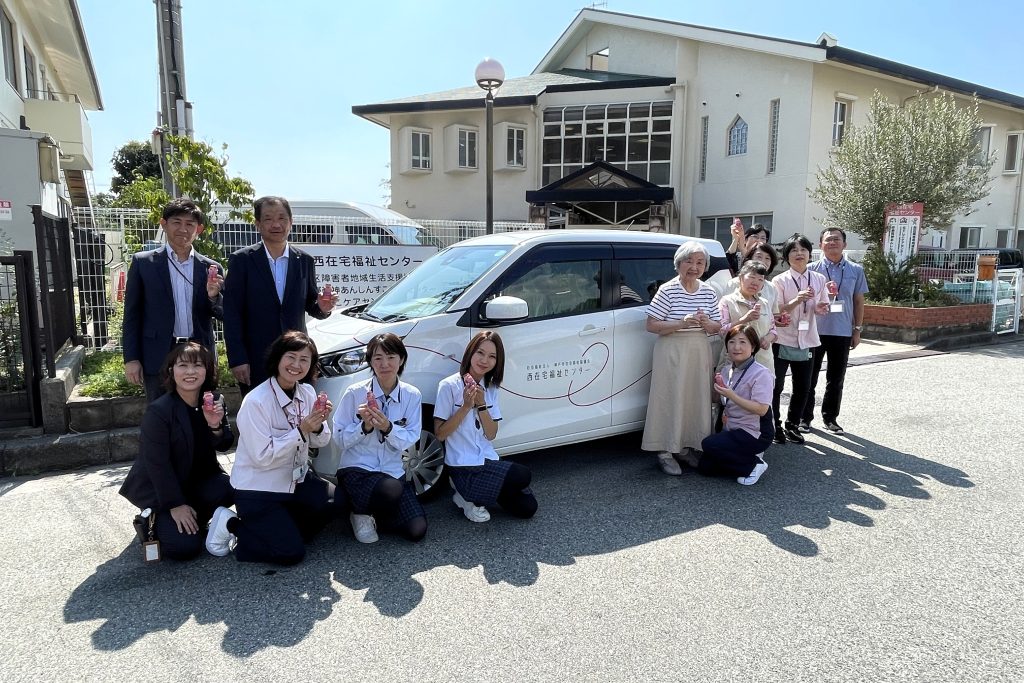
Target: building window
[
  {"x": 703, "y": 149},
  {"x": 598, "y": 61},
  {"x": 635, "y": 137},
  {"x": 7, "y": 43},
  {"x": 773, "y": 135},
  {"x": 420, "y": 157},
  {"x": 31, "y": 88},
  {"x": 738, "y": 137},
  {"x": 982, "y": 145},
  {"x": 1003, "y": 238},
  {"x": 1011, "y": 162},
  {"x": 840, "y": 116},
  {"x": 515, "y": 150},
  {"x": 717, "y": 227},
  {"x": 467, "y": 148},
  {"x": 970, "y": 238}
]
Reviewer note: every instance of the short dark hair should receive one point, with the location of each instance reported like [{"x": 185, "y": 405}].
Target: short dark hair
[
  {"x": 257, "y": 206},
  {"x": 389, "y": 342},
  {"x": 821, "y": 235},
  {"x": 497, "y": 373},
  {"x": 183, "y": 206},
  {"x": 766, "y": 248},
  {"x": 753, "y": 267},
  {"x": 292, "y": 340},
  {"x": 748, "y": 331},
  {"x": 756, "y": 228},
  {"x": 796, "y": 239},
  {"x": 190, "y": 352}
]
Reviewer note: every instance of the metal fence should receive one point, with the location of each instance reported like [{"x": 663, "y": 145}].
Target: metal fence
[
  {"x": 973, "y": 277},
  {"x": 19, "y": 327},
  {"x": 56, "y": 289}
]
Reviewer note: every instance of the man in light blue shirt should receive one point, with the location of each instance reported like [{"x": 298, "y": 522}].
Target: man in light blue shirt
[{"x": 839, "y": 329}]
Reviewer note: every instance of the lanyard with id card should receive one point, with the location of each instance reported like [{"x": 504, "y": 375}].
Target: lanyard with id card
[{"x": 301, "y": 462}]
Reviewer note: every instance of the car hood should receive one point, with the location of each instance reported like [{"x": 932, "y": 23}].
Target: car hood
[{"x": 341, "y": 331}]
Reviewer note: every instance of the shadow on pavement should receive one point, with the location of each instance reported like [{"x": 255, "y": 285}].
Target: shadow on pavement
[{"x": 596, "y": 498}]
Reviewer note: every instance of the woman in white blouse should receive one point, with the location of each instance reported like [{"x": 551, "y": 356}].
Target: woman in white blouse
[
  {"x": 281, "y": 502},
  {"x": 379, "y": 419}
]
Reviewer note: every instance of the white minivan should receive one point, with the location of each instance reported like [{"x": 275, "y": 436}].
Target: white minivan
[{"x": 570, "y": 306}]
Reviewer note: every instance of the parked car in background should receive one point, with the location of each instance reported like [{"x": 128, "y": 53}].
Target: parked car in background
[
  {"x": 317, "y": 222},
  {"x": 571, "y": 307}
]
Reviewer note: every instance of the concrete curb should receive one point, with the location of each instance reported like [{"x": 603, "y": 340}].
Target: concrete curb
[{"x": 49, "y": 453}]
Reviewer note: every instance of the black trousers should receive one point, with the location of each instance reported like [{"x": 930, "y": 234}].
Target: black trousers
[
  {"x": 837, "y": 350},
  {"x": 732, "y": 453},
  {"x": 204, "y": 497},
  {"x": 275, "y": 527},
  {"x": 801, "y": 387}
]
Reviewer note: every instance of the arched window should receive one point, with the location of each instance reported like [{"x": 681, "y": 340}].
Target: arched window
[{"x": 738, "y": 137}]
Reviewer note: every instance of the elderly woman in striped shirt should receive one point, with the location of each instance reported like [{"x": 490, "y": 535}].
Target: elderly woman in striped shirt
[{"x": 684, "y": 314}]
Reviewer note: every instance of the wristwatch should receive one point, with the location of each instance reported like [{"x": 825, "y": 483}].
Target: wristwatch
[{"x": 858, "y": 328}]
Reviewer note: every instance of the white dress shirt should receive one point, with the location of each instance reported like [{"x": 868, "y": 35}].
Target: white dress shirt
[
  {"x": 466, "y": 446},
  {"x": 376, "y": 452},
  {"x": 182, "y": 274},
  {"x": 279, "y": 270},
  {"x": 272, "y": 454}
]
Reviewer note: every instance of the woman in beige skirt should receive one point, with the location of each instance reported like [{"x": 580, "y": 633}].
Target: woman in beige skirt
[{"x": 684, "y": 314}]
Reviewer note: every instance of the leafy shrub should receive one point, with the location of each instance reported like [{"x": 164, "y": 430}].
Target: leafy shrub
[
  {"x": 892, "y": 284},
  {"x": 103, "y": 375}
]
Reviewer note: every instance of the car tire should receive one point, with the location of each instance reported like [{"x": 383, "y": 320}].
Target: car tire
[{"x": 424, "y": 466}]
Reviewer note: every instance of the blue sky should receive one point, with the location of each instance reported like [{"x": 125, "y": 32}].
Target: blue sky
[{"x": 277, "y": 81}]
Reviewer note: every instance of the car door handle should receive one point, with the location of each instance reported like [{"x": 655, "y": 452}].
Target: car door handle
[{"x": 590, "y": 329}]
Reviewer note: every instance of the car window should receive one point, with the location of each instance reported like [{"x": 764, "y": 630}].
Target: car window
[
  {"x": 555, "y": 289},
  {"x": 640, "y": 278},
  {"x": 369, "y": 234}
]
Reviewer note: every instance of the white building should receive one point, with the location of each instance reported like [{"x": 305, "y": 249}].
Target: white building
[
  {"x": 47, "y": 84},
  {"x": 708, "y": 123}
]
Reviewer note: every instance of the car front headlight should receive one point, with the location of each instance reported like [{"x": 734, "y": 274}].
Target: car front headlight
[{"x": 343, "y": 362}]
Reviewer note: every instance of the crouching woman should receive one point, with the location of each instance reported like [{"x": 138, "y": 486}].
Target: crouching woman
[
  {"x": 745, "y": 387},
  {"x": 176, "y": 474},
  {"x": 281, "y": 502}
]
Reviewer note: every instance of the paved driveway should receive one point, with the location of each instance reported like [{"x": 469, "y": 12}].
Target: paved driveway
[{"x": 893, "y": 553}]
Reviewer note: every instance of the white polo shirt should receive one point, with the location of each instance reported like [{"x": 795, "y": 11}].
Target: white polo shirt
[
  {"x": 466, "y": 446},
  {"x": 375, "y": 452}
]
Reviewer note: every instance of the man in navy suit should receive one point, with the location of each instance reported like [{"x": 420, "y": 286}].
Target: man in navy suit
[
  {"x": 270, "y": 288},
  {"x": 169, "y": 298}
]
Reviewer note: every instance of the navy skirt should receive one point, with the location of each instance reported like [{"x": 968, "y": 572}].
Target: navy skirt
[
  {"x": 359, "y": 485},
  {"x": 480, "y": 484}
]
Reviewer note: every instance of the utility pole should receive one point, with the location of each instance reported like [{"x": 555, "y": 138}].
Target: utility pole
[{"x": 175, "y": 115}]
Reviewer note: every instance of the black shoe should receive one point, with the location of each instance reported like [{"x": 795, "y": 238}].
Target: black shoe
[
  {"x": 804, "y": 427},
  {"x": 780, "y": 436},
  {"x": 833, "y": 427},
  {"x": 793, "y": 433}
]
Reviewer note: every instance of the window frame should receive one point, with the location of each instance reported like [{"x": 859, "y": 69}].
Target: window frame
[
  {"x": 965, "y": 241},
  {"x": 773, "y": 135},
  {"x": 703, "y": 168},
  {"x": 736, "y": 137},
  {"x": 1015, "y": 158},
  {"x": 723, "y": 222},
  {"x": 980, "y": 156},
  {"x": 842, "y": 109},
  {"x": 8, "y": 36},
  {"x": 32, "y": 90},
  {"x": 516, "y": 136},
  {"x": 467, "y": 142},
  {"x": 416, "y": 161}
]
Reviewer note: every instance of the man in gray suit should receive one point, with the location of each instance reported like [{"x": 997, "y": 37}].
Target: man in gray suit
[{"x": 169, "y": 298}]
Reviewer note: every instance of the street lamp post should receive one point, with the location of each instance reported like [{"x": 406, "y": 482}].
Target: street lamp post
[{"x": 489, "y": 76}]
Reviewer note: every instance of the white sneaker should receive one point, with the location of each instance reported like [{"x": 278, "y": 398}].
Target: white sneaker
[
  {"x": 364, "y": 527},
  {"x": 474, "y": 513},
  {"x": 750, "y": 480},
  {"x": 668, "y": 464},
  {"x": 219, "y": 540}
]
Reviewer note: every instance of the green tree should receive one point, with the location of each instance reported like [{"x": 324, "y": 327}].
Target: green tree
[
  {"x": 924, "y": 151},
  {"x": 134, "y": 159},
  {"x": 200, "y": 174}
]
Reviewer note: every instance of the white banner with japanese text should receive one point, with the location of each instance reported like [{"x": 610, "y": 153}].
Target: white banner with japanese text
[{"x": 361, "y": 273}]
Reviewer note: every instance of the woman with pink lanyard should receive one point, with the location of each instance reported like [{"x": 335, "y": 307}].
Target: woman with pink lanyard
[{"x": 802, "y": 293}]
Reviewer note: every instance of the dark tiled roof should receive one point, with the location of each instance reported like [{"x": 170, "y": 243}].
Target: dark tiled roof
[{"x": 522, "y": 90}]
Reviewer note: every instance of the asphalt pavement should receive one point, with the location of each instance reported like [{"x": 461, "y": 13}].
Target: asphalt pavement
[{"x": 891, "y": 553}]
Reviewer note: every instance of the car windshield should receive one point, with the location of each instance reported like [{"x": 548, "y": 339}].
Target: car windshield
[
  {"x": 433, "y": 286},
  {"x": 408, "y": 234}
]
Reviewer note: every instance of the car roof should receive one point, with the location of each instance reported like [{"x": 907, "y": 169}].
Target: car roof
[{"x": 597, "y": 235}]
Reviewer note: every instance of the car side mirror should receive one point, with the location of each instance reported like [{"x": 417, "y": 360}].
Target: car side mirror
[{"x": 506, "y": 308}]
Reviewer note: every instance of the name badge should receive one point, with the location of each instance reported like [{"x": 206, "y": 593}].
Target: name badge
[
  {"x": 836, "y": 307},
  {"x": 803, "y": 325}
]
